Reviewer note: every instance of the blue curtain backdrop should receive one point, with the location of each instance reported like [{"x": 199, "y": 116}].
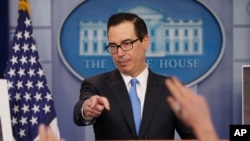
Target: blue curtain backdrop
[{"x": 4, "y": 34}]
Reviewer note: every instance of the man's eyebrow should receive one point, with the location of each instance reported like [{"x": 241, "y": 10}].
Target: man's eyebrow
[
  {"x": 123, "y": 41},
  {"x": 110, "y": 43},
  {"x": 126, "y": 40}
]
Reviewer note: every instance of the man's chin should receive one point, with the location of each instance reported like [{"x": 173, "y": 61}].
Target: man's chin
[{"x": 124, "y": 69}]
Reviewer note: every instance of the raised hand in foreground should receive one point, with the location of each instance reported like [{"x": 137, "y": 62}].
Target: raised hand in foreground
[
  {"x": 46, "y": 134},
  {"x": 192, "y": 109}
]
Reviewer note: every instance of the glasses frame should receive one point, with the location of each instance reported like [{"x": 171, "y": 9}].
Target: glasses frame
[{"x": 120, "y": 46}]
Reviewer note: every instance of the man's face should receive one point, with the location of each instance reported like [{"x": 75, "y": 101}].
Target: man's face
[{"x": 130, "y": 62}]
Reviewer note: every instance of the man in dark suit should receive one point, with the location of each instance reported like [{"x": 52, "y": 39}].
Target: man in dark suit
[{"x": 105, "y": 99}]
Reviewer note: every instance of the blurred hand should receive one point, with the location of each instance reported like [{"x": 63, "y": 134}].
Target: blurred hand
[
  {"x": 94, "y": 106},
  {"x": 187, "y": 105},
  {"x": 46, "y": 134},
  {"x": 192, "y": 109}
]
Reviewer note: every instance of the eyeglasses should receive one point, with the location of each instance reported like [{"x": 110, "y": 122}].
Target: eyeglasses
[{"x": 125, "y": 46}]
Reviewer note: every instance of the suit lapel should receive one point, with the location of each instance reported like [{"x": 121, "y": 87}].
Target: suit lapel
[
  {"x": 120, "y": 93},
  {"x": 151, "y": 99}
]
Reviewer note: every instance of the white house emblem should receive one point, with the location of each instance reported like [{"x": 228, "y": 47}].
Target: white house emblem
[{"x": 184, "y": 43}]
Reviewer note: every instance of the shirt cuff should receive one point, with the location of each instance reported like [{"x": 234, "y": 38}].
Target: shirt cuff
[{"x": 87, "y": 120}]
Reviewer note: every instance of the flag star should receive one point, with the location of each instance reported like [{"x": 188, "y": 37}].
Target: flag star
[
  {"x": 21, "y": 132},
  {"x": 12, "y": 72},
  {"x": 29, "y": 84},
  {"x": 46, "y": 108},
  {"x": 10, "y": 84},
  {"x": 39, "y": 84},
  {"x": 38, "y": 96},
  {"x": 19, "y": 84},
  {"x": 33, "y": 47},
  {"x": 23, "y": 59},
  {"x": 27, "y": 22},
  {"x": 14, "y": 120},
  {"x": 26, "y": 34},
  {"x": 25, "y": 108},
  {"x": 19, "y": 35},
  {"x": 33, "y": 120},
  {"x": 32, "y": 60},
  {"x": 32, "y": 35},
  {"x": 25, "y": 47},
  {"x": 48, "y": 97},
  {"x": 31, "y": 72},
  {"x": 23, "y": 120},
  {"x": 16, "y": 47},
  {"x": 40, "y": 72},
  {"x": 13, "y": 60},
  {"x": 35, "y": 109},
  {"x": 15, "y": 108},
  {"x": 21, "y": 72},
  {"x": 27, "y": 96},
  {"x": 17, "y": 96}
]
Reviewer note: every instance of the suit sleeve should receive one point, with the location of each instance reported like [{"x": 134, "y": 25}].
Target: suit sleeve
[
  {"x": 87, "y": 90},
  {"x": 184, "y": 131}
]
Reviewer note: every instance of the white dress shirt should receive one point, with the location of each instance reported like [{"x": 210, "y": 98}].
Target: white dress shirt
[{"x": 140, "y": 87}]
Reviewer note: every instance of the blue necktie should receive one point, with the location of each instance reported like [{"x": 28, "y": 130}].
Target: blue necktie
[{"x": 136, "y": 104}]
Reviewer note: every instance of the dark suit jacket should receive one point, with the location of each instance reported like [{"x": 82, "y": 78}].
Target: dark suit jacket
[{"x": 158, "y": 120}]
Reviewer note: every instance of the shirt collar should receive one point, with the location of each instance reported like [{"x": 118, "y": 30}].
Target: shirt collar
[{"x": 142, "y": 78}]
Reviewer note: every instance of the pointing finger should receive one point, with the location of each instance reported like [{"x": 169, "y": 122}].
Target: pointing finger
[{"x": 104, "y": 101}]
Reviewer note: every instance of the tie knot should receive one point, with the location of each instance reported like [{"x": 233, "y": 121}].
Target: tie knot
[{"x": 133, "y": 81}]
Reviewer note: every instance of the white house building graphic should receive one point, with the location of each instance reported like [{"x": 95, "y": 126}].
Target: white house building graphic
[{"x": 168, "y": 36}]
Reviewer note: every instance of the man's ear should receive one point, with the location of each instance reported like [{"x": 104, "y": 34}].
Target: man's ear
[{"x": 145, "y": 42}]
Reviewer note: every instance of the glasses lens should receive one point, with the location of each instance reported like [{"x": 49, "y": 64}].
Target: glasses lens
[
  {"x": 126, "y": 46},
  {"x": 112, "y": 48}
]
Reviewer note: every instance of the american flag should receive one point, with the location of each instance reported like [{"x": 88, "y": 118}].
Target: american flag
[{"x": 31, "y": 102}]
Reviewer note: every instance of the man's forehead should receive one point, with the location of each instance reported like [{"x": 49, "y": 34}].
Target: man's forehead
[{"x": 121, "y": 32}]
